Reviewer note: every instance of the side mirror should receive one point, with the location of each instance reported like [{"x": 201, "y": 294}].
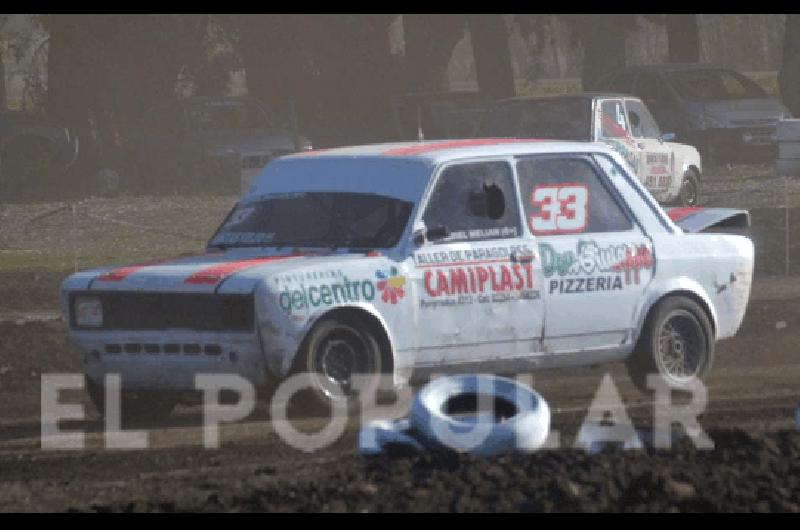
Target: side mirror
[
  {"x": 431, "y": 234},
  {"x": 667, "y": 137}
]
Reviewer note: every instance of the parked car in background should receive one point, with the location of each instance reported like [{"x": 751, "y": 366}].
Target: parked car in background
[
  {"x": 215, "y": 143},
  {"x": 34, "y": 153},
  {"x": 670, "y": 171},
  {"x": 439, "y": 115},
  {"x": 725, "y": 114}
]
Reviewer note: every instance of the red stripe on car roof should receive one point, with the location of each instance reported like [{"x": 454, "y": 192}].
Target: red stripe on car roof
[
  {"x": 216, "y": 273},
  {"x": 676, "y": 214},
  {"x": 453, "y": 144}
]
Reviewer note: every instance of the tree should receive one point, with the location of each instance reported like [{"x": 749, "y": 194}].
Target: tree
[
  {"x": 492, "y": 55},
  {"x": 430, "y": 39},
  {"x": 336, "y": 70},
  {"x": 683, "y": 38},
  {"x": 789, "y": 75},
  {"x": 603, "y": 40}
]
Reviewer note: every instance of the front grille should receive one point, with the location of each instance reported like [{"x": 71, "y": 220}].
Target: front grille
[{"x": 161, "y": 311}]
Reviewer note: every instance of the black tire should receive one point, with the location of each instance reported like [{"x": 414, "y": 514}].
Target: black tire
[
  {"x": 136, "y": 407},
  {"x": 335, "y": 349},
  {"x": 690, "y": 189},
  {"x": 676, "y": 331}
]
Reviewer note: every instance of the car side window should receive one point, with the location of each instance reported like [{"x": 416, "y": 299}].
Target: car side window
[
  {"x": 567, "y": 196},
  {"x": 643, "y": 125},
  {"x": 474, "y": 201},
  {"x": 612, "y": 119}
]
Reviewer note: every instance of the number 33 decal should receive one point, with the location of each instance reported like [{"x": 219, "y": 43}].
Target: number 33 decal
[{"x": 562, "y": 209}]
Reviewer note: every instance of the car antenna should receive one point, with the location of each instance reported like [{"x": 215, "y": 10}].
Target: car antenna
[{"x": 420, "y": 133}]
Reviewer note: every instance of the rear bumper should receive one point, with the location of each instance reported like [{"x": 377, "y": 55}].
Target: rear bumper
[{"x": 170, "y": 360}]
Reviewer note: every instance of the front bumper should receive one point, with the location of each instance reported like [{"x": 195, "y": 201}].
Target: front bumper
[{"x": 158, "y": 360}]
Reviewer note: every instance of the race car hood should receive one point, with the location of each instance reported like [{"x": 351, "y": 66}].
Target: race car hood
[
  {"x": 694, "y": 219},
  {"x": 232, "y": 271}
]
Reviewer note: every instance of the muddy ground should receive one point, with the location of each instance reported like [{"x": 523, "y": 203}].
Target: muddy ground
[{"x": 753, "y": 391}]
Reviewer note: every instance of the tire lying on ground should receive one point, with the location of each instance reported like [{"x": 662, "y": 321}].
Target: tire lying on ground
[
  {"x": 524, "y": 415},
  {"x": 384, "y": 435}
]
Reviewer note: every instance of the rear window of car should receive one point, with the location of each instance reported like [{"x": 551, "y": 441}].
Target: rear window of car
[{"x": 709, "y": 85}]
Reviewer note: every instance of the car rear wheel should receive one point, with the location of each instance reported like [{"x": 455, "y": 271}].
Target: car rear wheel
[
  {"x": 336, "y": 350},
  {"x": 677, "y": 344}
]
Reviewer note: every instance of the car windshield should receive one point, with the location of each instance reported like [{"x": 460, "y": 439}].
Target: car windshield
[
  {"x": 226, "y": 116},
  {"x": 559, "y": 119},
  {"x": 315, "y": 219},
  {"x": 708, "y": 85}
]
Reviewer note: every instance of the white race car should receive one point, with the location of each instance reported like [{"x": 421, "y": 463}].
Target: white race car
[{"x": 493, "y": 255}]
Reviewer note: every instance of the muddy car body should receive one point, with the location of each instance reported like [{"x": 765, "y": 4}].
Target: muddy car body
[
  {"x": 472, "y": 255},
  {"x": 670, "y": 171}
]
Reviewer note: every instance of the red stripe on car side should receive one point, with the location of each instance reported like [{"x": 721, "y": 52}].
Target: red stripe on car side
[
  {"x": 215, "y": 274},
  {"x": 676, "y": 214},
  {"x": 439, "y": 146}
]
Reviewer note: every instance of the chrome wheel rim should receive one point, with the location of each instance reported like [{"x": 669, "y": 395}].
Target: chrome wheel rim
[
  {"x": 341, "y": 354},
  {"x": 681, "y": 347}
]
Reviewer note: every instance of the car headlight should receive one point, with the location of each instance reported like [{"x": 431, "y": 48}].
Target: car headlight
[{"x": 88, "y": 311}]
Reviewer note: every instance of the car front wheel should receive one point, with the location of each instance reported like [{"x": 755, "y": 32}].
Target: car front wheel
[
  {"x": 676, "y": 344},
  {"x": 335, "y": 352}
]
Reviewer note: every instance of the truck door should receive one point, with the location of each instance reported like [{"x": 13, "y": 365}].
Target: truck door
[
  {"x": 611, "y": 128},
  {"x": 656, "y": 162}
]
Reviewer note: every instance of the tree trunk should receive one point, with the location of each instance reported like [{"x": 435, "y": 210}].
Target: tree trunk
[
  {"x": 490, "y": 48},
  {"x": 683, "y": 37},
  {"x": 430, "y": 40},
  {"x": 3, "y": 97},
  {"x": 789, "y": 76},
  {"x": 603, "y": 50}
]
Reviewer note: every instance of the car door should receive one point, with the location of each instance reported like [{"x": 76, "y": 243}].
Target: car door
[
  {"x": 656, "y": 160},
  {"x": 595, "y": 260},
  {"x": 477, "y": 295}
]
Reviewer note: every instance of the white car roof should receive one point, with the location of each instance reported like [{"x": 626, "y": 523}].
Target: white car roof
[{"x": 448, "y": 150}]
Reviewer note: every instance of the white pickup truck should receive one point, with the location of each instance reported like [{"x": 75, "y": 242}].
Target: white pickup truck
[
  {"x": 669, "y": 170},
  {"x": 491, "y": 255}
]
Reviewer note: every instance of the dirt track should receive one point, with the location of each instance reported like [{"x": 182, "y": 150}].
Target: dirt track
[
  {"x": 753, "y": 391},
  {"x": 752, "y": 394}
]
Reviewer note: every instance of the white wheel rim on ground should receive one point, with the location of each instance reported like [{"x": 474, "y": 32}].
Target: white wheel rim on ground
[{"x": 525, "y": 431}]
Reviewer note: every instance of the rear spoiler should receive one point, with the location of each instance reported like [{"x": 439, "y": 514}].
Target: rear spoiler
[{"x": 694, "y": 219}]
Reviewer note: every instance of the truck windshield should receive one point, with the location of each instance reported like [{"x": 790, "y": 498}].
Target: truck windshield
[
  {"x": 558, "y": 119},
  {"x": 315, "y": 219}
]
